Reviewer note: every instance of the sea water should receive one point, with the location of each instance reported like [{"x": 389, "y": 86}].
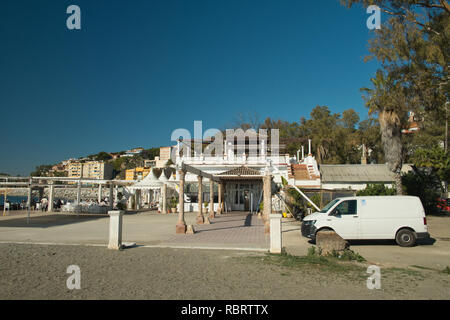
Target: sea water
[{"x": 14, "y": 199}]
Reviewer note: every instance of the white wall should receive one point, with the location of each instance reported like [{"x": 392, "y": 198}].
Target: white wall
[
  {"x": 349, "y": 186},
  {"x": 193, "y": 207}
]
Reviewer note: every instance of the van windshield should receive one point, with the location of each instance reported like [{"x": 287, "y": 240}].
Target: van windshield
[{"x": 329, "y": 205}]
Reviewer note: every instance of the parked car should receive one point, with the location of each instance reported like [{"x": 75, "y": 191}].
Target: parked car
[
  {"x": 444, "y": 205},
  {"x": 373, "y": 217}
]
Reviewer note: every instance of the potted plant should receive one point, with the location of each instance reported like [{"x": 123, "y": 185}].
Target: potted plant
[{"x": 173, "y": 204}]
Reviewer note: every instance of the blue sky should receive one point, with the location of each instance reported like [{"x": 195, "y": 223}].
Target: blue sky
[{"x": 137, "y": 70}]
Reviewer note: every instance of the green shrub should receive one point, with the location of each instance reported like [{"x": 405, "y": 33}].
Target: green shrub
[
  {"x": 312, "y": 251},
  {"x": 348, "y": 255},
  {"x": 424, "y": 184},
  {"x": 376, "y": 189},
  {"x": 173, "y": 202},
  {"x": 295, "y": 201},
  {"x": 121, "y": 206},
  {"x": 317, "y": 199}
]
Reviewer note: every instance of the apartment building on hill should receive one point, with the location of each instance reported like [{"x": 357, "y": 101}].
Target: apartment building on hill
[{"x": 90, "y": 170}]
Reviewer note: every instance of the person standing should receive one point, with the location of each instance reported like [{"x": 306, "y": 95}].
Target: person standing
[
  {"x": 44, "y": 204},
  {"x": 58, "y": 204}
]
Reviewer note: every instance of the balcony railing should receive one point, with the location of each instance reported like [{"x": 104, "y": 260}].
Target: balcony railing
[{"x": 234, "y": 160}]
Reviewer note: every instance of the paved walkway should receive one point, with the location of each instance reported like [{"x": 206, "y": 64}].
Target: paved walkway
[
  {"x": 228, "y": 231},
  {"x": 238, "y": 229}
]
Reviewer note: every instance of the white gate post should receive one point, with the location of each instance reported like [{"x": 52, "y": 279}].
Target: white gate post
[
  {"x": 115, "y": 229},
  {"x": 275, "y": 233}
]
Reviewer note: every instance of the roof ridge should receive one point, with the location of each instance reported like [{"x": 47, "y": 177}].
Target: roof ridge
[{"x": 241, "y": 171}]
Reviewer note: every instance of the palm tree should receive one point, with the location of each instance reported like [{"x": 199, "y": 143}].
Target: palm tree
[{"x": 387, "y": 98}]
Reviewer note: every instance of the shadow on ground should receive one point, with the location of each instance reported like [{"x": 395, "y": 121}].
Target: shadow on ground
[
  {"x": 48, "y": 221},
  {"x": 421, "y": 242}
]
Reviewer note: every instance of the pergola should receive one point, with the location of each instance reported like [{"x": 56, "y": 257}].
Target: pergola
[
  {"x": 58, "y": 182},
  {"x": 184, "y": 168}
]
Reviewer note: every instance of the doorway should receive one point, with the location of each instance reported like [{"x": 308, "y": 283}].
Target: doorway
[{"x": 243, "y": 196}]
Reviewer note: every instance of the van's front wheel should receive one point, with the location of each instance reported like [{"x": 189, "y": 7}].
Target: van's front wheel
[{"x": 405, "y": 238}]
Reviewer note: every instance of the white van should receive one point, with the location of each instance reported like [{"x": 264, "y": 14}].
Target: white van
[{"x": 377, "y": 217}]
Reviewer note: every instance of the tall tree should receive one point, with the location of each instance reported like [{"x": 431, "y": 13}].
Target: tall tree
[
  {"x": 321, "y": 127},
  {"x": 413, "y": 47},
  {"x": 435, "y": 158},
  {"x": 387, "y": 99},
  {"x": 349, "y": 150}
]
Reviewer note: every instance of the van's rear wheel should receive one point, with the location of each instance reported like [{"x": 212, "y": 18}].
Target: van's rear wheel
[{"x": 405, "y": 238}]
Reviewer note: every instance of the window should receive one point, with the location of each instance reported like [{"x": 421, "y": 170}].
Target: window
[
  {"x": 346, "y": 208},
  {"x": 329, "y": 205}
]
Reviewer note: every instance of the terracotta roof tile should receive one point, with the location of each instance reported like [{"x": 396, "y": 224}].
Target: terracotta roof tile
[{"x": 241, "y": 171}]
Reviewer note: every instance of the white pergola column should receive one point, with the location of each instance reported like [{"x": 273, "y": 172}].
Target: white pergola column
[
  {"x": 200, "y": 217},
  {"x": 211, "y": 199},
  {"x": 136, "y": 199},
  {"x": 164, "y": 199},
  {"x": 79, "y": 192},
  {"x": 4, "y": 201},
  {"x": 111, "y": 196},
  {"x": 181, "y": 223},
  {"x": 267, "y": 187},
  {"x": 130, "y": 202},
  {"x": 220, "y": 198},
  {"x": 50, "y": 198},
  {"x": 139, "y": 199},
  {"x": 100, "y": 196},
  {"x": 30, "y": 194}
]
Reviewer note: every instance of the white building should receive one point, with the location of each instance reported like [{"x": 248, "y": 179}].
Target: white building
[{"x": 242, "y": 174}]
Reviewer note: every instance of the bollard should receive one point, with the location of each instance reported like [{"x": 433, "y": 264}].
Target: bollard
[
  {"x": 115, "y": 229},
  {"x": 275, "y": 233}
]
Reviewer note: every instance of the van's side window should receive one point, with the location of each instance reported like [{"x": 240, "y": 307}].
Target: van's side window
[{"x": 346, "y": 208}]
